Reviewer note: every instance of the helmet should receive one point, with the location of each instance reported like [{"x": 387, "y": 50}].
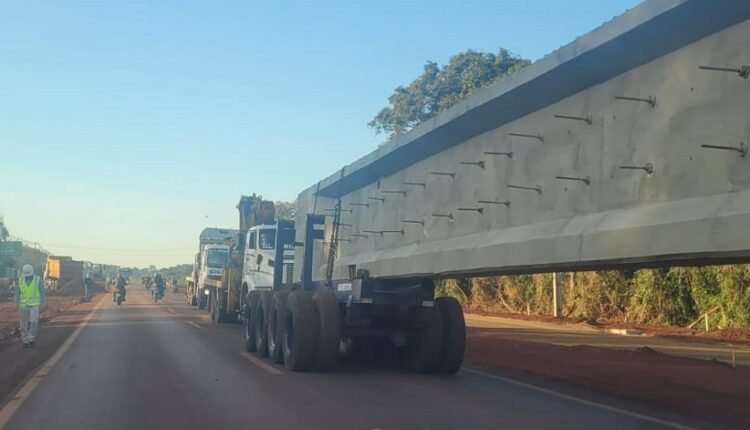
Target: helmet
[{"x": 28, "y": 270}]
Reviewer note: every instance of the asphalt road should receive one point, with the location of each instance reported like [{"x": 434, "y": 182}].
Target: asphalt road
[
  {"x": 576, "y": 334},
  {"x": 167, "y": 366}
]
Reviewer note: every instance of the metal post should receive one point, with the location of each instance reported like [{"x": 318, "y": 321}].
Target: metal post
[{"x": 556, "y": 296}]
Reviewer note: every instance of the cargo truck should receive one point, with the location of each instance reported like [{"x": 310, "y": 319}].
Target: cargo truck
[
  {"x": 63, "y": 273},
  {"x": 307, "y": 323},
  {"x": 213, "y": 256}
]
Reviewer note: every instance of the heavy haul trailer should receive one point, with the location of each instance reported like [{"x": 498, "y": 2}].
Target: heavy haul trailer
[{"x": 308, "y": 324}]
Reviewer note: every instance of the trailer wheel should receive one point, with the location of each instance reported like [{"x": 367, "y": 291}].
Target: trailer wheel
[
  {"x": 219, "y": 308},
  {"x": 201, "y": 298},
  {"x": 425, "y": 351},
  {"x": 454, "y": 335},
  {"x": 329, "y": 332},
  {"x": 261, "y": 323},
  {"x": 248, "y": 322},
  {"x": 275, "y": 324},
  {"x": 300, "y": 331}
]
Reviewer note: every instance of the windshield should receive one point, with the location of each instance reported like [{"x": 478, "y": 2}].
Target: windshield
[
  {"x": 267, "y": 239},
  {"x": 217, "y": 257}
]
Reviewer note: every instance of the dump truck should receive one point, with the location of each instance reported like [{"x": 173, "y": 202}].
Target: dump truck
[
  {"x": 63, "y": 273},
  {"x": 249, "y": 262}
]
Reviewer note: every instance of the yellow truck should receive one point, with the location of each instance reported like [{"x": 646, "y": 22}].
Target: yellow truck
[{"x": 63, "y": 273}]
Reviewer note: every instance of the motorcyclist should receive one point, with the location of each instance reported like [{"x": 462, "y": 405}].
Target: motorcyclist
[
  {"x": 120, "y": 285},
  {"x": 159, "y": 284}
]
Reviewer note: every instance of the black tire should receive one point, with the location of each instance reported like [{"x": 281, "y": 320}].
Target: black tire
[
  {"x": 426, "y": 348},
  {"x": 454, "y": 335},
  {"x": 300, "y": 331},
  {"x": 219, "y": 310},
  {"x": 261, "y": 323},
  {"x": 248, "y": 323},
  {"x": 201, "y": 298},
  {"x": 329, "y": 331},
  {"x": 275, "y": 324}
]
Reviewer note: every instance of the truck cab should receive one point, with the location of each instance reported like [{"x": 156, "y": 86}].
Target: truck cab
[
  {"x": 214, "y": 259},
  {"x": 259, "y": 258}
]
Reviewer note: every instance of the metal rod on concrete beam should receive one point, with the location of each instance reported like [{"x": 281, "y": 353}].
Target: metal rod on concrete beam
[
  {"x": 394, "y": 192},
  {"x": 539, "y": 137},
  {"x": 741, "y": 148},
  {"x": 651, "y": 100},
  {"x": 392, "y": 231},
  {"x": 479, "y": 163},
  {"x": 367, "y": 205},
  {"x": 648, "y": 168},
  {"x": 452, "y": 175},
  {"x": 495, "y": 202},
  {"x": 508, "y": 154},
  {"x": 346, "y": 225},
  {"x": 417, "y": 184},
  {"x": 380, "y": 199},
  {"x": 478, "y": 210},
  {"x": 586, "y": 180},
  {"x": 538, "y": 188},
  {"x": 742, "y": 71},
  {"x": 350, "y": 210},
  {"x": 449, "y": 216},
  {"x": 359, "y": 235},
  {"x": 413, "y": 221},
  {"x": 372, "y": 231},
  {"x": 587, "y": 119}
]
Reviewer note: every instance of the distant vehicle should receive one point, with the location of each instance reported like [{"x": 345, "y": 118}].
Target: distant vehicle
[
  {"x": 212, "y": 258},
  {"x": 62, "y": 273}
]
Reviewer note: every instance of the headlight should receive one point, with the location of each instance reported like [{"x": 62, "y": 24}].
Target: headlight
[{"x": 205, "y": 291}]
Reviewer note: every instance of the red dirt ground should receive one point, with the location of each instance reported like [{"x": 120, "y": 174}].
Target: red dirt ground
[
  {"x": 701, "y": 389},
  {"x": 717, "y": 335},
  {"x": 52, "y": 307}
]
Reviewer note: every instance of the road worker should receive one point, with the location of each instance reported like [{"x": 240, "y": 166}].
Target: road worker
[{"x": 29, "y": 297}]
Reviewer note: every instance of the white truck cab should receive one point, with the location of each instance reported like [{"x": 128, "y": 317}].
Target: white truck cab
[
  {"x": 259, "y": 258},
  {"x": 214, "y": 259}
]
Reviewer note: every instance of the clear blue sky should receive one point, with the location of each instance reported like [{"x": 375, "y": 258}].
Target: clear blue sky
[{"x": 128, "y": 126}]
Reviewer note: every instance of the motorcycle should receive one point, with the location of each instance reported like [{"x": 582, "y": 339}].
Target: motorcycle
[
  {"x": 157, "y": 294},
  {"x": 119, "y": 296}
]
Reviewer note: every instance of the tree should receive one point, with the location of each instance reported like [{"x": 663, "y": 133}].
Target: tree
[
  {"x": 437, "y": 89},
  {"x": 285, "y": 210},
  {"x": 4, "y": 233}
]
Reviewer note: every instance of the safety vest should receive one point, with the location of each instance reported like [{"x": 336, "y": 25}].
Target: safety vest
[{"x": 29, "y": 292}]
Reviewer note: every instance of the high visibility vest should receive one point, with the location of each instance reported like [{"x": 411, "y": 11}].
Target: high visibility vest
[{"x": 29, "y": 292}]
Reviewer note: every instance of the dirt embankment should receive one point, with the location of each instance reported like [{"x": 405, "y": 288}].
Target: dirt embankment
[
  {"x": 701, "y": 389},
  {"x": 719, "y": 335},
  {"x": 55, "y": 305}
]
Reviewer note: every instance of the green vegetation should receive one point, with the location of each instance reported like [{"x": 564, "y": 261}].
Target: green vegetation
[
  {"x": 675, "y": 296},
  {"x": 439, "y": 88},
  {"x": 4, "y": 233}
]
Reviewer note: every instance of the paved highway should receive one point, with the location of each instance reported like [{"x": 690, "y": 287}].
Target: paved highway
[{"x": 167, "y": 366}]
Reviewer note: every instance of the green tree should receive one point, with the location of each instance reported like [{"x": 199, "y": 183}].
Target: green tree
[
  {"x": 439, "y": 88},
  {"x": 4, "y": 233},
  {"x": 285, "y": 210}
]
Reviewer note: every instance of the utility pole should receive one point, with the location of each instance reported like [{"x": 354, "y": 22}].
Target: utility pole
[{"x": 556, "y": 296}]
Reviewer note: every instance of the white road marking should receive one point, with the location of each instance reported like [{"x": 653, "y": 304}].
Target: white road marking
[
  {"x": 15, "y": 403},
  {"x": 580, "y": 400},
  {"x": 193, "y": 324},
  {"x": 260, "y": 363}
]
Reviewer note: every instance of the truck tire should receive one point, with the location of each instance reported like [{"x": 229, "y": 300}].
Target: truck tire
[
  {"x": 329, "y": 331},
  {"x": 454, "y": 335},
  {"x": 426, "y": 348},
  {"x": 300, "y": 331},
  {"x": 219, "y": 307},
  {"x": 248, "y": 323},
  {"x": 275, "y": 324},
  {"x": 201, "y": 298},
  {"x": 261, "y": 323}
]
